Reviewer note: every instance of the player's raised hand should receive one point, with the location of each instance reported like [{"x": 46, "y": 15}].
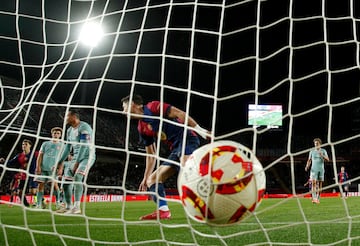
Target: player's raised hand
[
  {"x": 143, "y": 186},
  {"x": 205, "y": 134}
]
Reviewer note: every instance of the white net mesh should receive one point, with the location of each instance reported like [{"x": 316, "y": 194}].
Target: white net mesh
[{"x": 210, "y": 58}]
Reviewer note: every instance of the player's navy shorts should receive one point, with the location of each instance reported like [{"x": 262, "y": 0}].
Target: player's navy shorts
[
  {"x": 32, "y": 184},
  {"x": 192, "y": 143}
]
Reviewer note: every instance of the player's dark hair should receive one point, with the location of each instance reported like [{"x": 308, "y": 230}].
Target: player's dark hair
[
  {"x": 27, "y": 141},
  {"x": 75, "y": 112},
  {"x": 137, "y": 99}
]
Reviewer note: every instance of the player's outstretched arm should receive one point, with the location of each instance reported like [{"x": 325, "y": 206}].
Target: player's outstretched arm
[{"x": 174, "y": 112}]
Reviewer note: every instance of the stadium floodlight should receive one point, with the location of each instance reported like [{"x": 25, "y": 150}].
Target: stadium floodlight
[{"x": 91, "y": 34}]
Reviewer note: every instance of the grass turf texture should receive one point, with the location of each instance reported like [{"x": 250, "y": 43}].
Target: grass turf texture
[{"x": 293, "y": 221}]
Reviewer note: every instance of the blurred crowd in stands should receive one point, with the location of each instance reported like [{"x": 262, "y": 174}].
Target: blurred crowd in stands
[{"x": 114, "y": 134}]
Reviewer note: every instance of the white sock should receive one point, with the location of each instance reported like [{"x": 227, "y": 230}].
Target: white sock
[{"x": 164, "y": 208}]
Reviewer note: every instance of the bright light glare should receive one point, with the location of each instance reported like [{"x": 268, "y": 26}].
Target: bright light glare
[{"x": 91, "y": 34}]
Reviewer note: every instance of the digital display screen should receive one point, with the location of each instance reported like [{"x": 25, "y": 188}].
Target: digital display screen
[{"x": 268, "y": 115}]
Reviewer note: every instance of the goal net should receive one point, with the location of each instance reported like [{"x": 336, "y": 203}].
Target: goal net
[{"x": 228, "y": 64}]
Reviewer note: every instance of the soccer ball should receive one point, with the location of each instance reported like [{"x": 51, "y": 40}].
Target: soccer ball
[{"x": 221, "y": 183}]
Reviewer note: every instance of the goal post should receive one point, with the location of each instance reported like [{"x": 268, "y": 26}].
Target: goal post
[{"x": 271, "y": 75}]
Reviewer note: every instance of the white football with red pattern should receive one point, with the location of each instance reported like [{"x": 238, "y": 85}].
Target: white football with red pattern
[{"x": 221, "y": 183}]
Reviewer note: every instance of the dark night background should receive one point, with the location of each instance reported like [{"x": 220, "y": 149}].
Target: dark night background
[{"x": 301, "y": 56}]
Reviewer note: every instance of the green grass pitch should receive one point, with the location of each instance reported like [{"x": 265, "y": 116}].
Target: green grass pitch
[{"x": 294, "y": 221}]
